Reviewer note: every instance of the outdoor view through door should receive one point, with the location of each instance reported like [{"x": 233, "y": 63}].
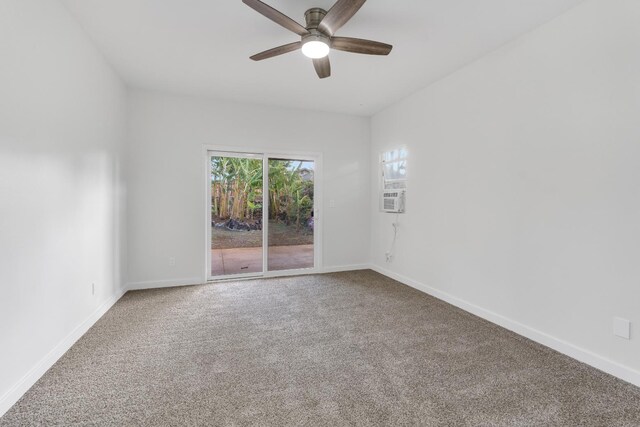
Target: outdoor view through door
[
  {"x": 291, "y": 220},
  {"x": 236, "y": 215},
  {"x": 250, "y": 216}
]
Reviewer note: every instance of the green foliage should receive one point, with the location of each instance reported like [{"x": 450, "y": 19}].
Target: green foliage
[{"x": 236, "y": 186}]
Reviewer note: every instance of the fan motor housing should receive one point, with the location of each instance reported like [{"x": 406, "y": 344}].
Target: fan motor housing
[
  {"x": 315, "y": 35},
  {"x": 313, "y": 17}
]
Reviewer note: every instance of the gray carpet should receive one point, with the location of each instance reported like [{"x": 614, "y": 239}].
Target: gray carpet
[{"x": 339, "y": 349}]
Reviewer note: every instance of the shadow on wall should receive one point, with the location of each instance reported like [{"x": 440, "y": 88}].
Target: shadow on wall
[{"x": 62, "y": 250}]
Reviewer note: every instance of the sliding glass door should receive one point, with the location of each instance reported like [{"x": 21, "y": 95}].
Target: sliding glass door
[
  {"x": 291, "y": 214},
  {"x": 236, "y": 214},
  {"x": 261, "y": 226}
]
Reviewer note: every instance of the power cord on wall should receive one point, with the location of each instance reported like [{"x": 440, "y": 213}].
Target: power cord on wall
[{"x": 389, "y": 253}]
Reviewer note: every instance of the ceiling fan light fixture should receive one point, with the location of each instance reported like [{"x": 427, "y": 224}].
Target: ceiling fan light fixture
[
  {"x": 318, "y": 37},
  {"x": 315, "y": 48}
]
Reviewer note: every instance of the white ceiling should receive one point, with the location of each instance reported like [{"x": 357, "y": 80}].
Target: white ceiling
[{"x": 203, "y": 47}]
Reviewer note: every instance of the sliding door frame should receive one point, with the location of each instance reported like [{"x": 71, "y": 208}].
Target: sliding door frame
[
  {"x": 240, "y": 155},
  {"x": 317, "y": 222},
  {"x": 265, "y": 155}
]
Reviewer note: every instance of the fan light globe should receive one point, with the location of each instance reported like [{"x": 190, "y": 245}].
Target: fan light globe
[{"x": 315, "y": 49}]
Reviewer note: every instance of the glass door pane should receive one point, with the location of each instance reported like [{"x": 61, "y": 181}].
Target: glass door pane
[
  {"x": 236, "y": 215},
  {"x": 291, "y": 207}
]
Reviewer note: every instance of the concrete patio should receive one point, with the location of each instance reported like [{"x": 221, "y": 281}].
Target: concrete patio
[{"x": 249, "y": 260}]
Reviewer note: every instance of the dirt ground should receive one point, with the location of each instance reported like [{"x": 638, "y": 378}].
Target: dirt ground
[{"x": 279, "y": 235}]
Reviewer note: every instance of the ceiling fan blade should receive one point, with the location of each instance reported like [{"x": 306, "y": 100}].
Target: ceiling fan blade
[
  {"x": 280, "y": 50},
  {"x": 323, "y": 67},
  {"x": 276, "y": 16},
  {"x": 339, "y": 14},
  {"x": 368, "y": 47}
]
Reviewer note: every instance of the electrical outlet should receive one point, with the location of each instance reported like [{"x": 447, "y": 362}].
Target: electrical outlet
[
  {"x": 388, "y": 256},
  {"x": 172, "y": 261},
  {"x": 622, "y": 328},
  {"x": 93, "y": 289},
  {"x": 332, "y": 203}
]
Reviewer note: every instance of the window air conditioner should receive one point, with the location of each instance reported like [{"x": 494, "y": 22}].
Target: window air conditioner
[{"x": 392, "y": 201}]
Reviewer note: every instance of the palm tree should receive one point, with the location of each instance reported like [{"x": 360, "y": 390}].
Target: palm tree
[
  {"x": 236, "y": 189},
  {"x": 235, "y": 184}
]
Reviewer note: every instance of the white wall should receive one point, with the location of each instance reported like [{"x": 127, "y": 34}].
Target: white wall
[
  {"x": 524, "y": 188},
  {"x": 166, "y": 188},
  {"x": 61, "y": 129}
]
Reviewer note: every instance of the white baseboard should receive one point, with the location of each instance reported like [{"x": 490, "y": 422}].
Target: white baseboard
[
  {"x": 609, "y": 366},
  {"x": 170, "y": 283},
  {"x": 157, "y": 284},
  {"x": 340, "y": 268},
  {"x": 34, "y": 374}
]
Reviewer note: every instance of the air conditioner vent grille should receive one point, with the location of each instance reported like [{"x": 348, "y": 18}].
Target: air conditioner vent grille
[
  {"x": 393, "y": 201},
  {"x": 389, "y": 204}
]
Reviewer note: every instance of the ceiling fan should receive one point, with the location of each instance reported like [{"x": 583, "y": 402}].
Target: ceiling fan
[{"x": 317, "y": 38}]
